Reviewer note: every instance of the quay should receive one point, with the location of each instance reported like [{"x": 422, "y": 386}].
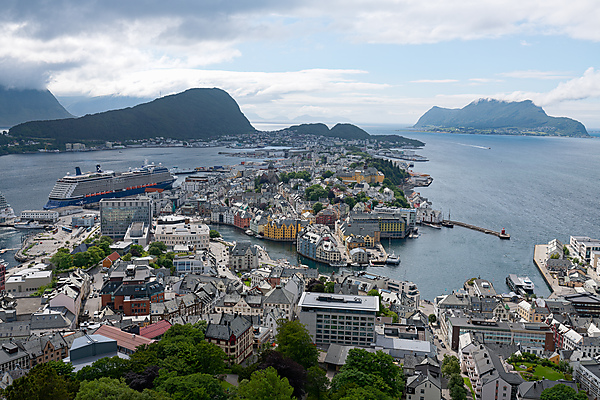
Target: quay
[
  {"x": 501, "y": 235},
  {"x": 539, "y": 259}
]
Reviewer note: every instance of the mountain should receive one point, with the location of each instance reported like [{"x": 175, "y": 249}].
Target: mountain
[
  {"x": 349, "y": 132},
  {"x": 501, "y": 117},
  {"x": 193, "y": 114},
  {"x": 22, "y": 105},
  {"x": 82, "y": 105}
]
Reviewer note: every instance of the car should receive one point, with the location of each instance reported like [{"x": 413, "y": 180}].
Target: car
[{"x": 443, "y": 345}]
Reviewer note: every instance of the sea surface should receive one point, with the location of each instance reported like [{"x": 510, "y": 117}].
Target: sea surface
[{"x": 537, "y": 188}]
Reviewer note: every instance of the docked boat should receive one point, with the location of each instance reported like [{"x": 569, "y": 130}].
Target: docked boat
[
  {"x": 520, "y": 285},
  {"x": 28, "y": 225},
  {"x": 6, "y": 211},
  {"x": 3, "y": 266},
  {"x": 91, "y": 187},
  {"x": 249, "y": 232},
  {"x": 432, "y": 225},
  {"x": 392, "y": 259}
]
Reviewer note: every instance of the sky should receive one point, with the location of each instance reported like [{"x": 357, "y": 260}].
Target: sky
[{"x": 360, "y": 61}]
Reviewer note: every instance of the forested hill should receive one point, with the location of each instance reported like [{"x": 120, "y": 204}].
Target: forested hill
[
  {"x": 500, "y": 117},
  {"x": 22, "y": 105},
  {"x": 193, "y": 114},
  {"x": 350, "y": 132}
]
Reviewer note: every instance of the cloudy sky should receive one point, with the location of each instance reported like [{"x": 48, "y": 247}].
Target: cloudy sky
[{"x": 363, "y": 61}]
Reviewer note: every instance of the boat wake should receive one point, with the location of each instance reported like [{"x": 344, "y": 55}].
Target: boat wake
[{"x": 474, "y": 145}]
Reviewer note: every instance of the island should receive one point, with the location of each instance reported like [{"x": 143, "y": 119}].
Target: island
[{"x": 489, "y": 116}]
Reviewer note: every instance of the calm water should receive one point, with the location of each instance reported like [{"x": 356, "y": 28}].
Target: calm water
[{"x": 536, "y": 188}]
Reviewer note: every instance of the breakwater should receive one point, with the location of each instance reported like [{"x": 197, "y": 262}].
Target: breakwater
[{"x": 502, "y": 234}]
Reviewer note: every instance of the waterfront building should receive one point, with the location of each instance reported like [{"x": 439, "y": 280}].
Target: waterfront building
[
  {"x": 584, "y": 246},
  {"x": 243, "y": 256},
  {"x": 392, "y": 222},
  {"x": 193, "y": 235},
  {"x": 318, "y": 243},
  {"x": 241, "y": 219},
  {"x": 50, "y": 216},
  {"x": 340, "y": 319},
  {"x": 116, "y": 215},
  {"x": 359, "y": 255},
  {"x": 282, "y": 229}
]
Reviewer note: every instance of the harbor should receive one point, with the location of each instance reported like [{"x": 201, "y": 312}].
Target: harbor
[{"x": 502, "y": 234}]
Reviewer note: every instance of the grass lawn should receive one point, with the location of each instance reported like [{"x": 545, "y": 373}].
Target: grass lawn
[
  {"x": 468, "y": 384},
  {"x": 541, "y": 372}
]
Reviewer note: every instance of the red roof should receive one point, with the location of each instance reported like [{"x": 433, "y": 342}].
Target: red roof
[
  {"x": 126, "y": 340},
  {"x": 114, "y": 256},
  {"x": 155, "y": 330}
]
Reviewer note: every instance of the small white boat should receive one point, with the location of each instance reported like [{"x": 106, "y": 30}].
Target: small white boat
[
  {"x": 392, "y": 259},
  {"x": 249, "y": 232},
  {"x": 28, "y": 225}
]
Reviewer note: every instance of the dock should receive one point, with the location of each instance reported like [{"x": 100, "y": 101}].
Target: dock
[{"x": 501, "y": 235}]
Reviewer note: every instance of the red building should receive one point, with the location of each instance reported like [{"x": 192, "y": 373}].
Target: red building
[
  {"x": 327, "y": 217},
  {"x": 241, "y": 219},
  {"x": 130, "y": 290}
]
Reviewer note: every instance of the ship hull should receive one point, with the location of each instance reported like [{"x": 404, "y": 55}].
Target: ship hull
[{"x": 79, "y": 201}]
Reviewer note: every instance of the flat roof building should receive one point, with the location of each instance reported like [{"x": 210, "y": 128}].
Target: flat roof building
[{"x": 340, "y": 319}]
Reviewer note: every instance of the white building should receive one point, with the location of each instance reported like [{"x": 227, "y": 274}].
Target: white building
[
  {"x": 193, "y": 234},
  {"x": 29, "y": 279},
  {"x": 40, "y": 215}
]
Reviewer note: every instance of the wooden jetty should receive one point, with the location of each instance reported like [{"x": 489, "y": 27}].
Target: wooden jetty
[{"x": 501, "y": 235}]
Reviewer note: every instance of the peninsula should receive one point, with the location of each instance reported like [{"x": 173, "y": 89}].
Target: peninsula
[{"x": 489, "y": 116}]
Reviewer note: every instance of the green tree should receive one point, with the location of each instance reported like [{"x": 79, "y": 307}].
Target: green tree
[
  {"x": 81, "y": 259},
  {"x": 295, "y": 342},
  {"x": 327, "y": 174},
  {"x": 136, "y": 250},
  {"x": 96, "y": 254},
  {"x": 386, "y": 375},
  {"x": 329, "y": 287},
  {"x": 108, "y": 367},
  {"x": 565, "y": 250},
  {"x": 157, "y": 248},
  {"x": 315, "y": 192},
  {"x": 114, "y": 389},
  {"x": 350, "y": 201},
  {"x": 190, "y": 387},
  {"x": 42, "y": 383},
  {"x": 432, "y": 319},
  {"x": 317, "y": 207},
  {"x": 214, "y": 234},
  {"x": 354, "y": 392},
  {"x": 316, "y": 382},
  {"x": 456, "y": 384},
  {"x": 265, "y": 385},
  {"x": 562, "y": 392},
  {"x": 62, "y": 259},
  {"x": 450, "y": 366}
]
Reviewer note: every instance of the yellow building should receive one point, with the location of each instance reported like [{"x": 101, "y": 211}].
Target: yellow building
[
  {"x": 284, "y": 230},
  {"x": 369, "y": 175}
]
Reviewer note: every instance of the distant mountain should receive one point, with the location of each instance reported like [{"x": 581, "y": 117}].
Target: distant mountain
[
  {"x": 193, "y": 114},
  {"x": 82, "y": 105},
  {"x": 349, "y": 132},
  {"x": 22, "y": 105},
  {"x": 501, "y": 117}
]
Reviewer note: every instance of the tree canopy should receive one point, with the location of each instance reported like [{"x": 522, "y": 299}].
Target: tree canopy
[
  {"x": 294, "y": 341},
  {"x": 265, "y": 385},
  {"x": 562, "y": 392}
]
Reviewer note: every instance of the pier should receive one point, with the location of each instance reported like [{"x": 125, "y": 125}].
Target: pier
[{"x": 501, "y": 235}]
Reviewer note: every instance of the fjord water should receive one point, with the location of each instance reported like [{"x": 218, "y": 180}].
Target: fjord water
[{"x": 537, "y": 188}]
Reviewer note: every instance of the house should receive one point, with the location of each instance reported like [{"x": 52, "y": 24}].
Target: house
[
  {"x": 423, "y": 386},
  {"x": 155, "y": 330},
  {"x": 243, "y": 256},
  {"x": 232, "y": 333},
  {"x": 110, "y": 260}
]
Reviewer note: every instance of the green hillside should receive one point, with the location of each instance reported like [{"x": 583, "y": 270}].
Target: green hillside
[
  {"x": 193, "y": 114},
  {"x": 500, "y": 117},
  {"x": 22, "y": 105}
]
